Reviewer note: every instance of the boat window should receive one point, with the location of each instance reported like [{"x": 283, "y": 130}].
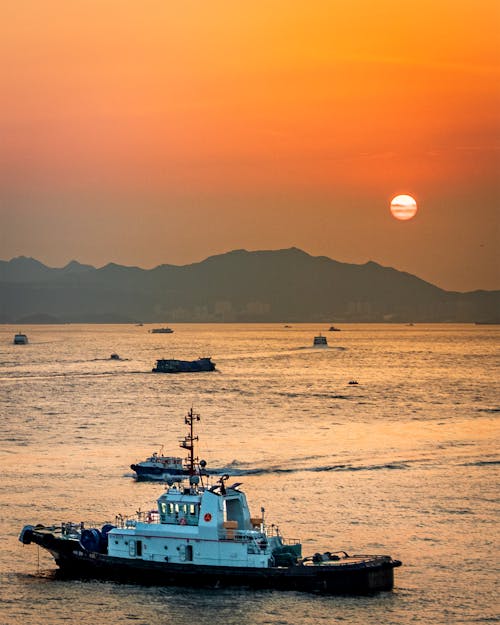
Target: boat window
[{"x": 192, "y": 508}]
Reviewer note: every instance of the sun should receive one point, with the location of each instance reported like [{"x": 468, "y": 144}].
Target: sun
[{"x": 403, "y": 207}]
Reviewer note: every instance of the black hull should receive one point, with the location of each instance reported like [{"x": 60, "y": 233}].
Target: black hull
[
  {"x": 374, "y": 574},
  {"x": 184, "y": 366}
]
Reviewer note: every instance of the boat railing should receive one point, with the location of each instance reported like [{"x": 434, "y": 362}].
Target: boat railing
[
  {"x": 273, "y": 530},
  {"x": 72, "y": 530},
  {"x": 257, "y": 541},
  {"x": 141, "y": 516},
  {"x": 291, "y": 541}
]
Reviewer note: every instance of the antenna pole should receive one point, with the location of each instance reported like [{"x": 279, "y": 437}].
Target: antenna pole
[{"x": 189, "y": 441}]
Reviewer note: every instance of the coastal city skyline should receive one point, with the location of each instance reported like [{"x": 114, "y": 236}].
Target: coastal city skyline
[{"x": 170, "y": 133}]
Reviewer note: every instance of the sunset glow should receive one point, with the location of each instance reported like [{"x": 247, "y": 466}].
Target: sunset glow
[
  {"x": 403, "y": 207},
  {"x": 167, "y": 132}
]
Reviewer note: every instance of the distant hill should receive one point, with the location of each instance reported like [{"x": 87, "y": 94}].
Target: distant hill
[{"x": 268, "y": 286}]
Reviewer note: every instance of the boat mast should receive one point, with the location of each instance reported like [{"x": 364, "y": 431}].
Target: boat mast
[{"x": 189, "y": 441}]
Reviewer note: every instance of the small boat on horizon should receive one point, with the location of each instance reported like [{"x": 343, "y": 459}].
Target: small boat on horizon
[
  {"x": 320, "y": 341},
  {"x": 202, "y": 534},
  {"x": 333, "y": 329},
  {"x": 161, "y": 331},
  {"x": 20, "y": 339}
]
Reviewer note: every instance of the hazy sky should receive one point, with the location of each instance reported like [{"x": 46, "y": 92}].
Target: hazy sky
[{"x": 164, "y": 132}]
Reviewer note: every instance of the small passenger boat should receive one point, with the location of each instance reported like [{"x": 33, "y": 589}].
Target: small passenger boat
[
  {"x": 320, "y": 341},
  {"x": 161, "y": 331},
  {"x": 205, "y": 535},
  {"x": 159, "y": 467},
  {"x": 333, "y": 329},
  {"x": 20, "y": 339}
]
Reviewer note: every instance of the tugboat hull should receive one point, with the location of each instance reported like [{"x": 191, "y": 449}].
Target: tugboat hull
[{"x": 347, "y": 575}]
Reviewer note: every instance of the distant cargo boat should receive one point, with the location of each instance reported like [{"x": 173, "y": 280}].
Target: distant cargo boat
[
  {"x": 20, "y": 339},
  {"x": 183, "y": 366},
  {"x": 161, "y": 331}
]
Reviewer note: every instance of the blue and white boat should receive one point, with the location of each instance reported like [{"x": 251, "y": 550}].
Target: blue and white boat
[{"x": 160, "y": 467}]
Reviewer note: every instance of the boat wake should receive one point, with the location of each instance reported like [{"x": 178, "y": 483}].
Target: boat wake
[
  {"x": 234, "y": 471},
  {"x": 481, "y": 463},
  {"x": 292, "y": 395},
  {"x": 322, "y": 348}
]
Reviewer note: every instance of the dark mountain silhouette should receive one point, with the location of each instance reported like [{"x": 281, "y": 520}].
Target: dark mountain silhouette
[{"x": 271, "y": 286}]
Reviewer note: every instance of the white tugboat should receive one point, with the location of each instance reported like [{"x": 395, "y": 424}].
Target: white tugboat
[{"x": 200, "y": 535}]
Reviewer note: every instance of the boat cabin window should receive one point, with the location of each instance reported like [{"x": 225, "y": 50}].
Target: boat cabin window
[{"x": 173, "y": 512}]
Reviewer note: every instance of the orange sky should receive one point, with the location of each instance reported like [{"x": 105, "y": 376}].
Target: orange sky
[{"x": 152, "y": 132}]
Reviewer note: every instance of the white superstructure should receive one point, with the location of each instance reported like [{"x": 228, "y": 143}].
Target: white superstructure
[{"x": 206, "y": 526}]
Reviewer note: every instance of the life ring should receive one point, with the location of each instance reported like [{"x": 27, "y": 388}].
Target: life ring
[
  {"x": 207, "y": 517},
  {"x": 183, "y": 521}
]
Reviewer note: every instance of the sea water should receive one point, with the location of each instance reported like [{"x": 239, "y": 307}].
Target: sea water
[{"x": 403, "y": 463}]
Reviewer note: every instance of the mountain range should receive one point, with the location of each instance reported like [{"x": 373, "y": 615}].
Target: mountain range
[{"x": 238, "y": 286}]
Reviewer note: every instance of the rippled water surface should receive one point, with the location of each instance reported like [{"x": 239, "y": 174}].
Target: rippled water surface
[{"x": 405, "y": 462}]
